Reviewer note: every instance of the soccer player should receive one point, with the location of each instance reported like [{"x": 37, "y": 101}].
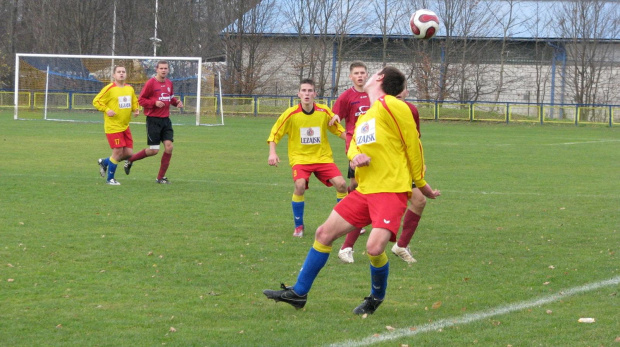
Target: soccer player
[
  {"x": 309, "y": 152},
  {"x": 349, "y": 106},
  {"x": 417, "y": 202},
  {"x": 387, "y": 155},
  {"x": 117, "y": 101},
  {"x": 156, "y": 97}
]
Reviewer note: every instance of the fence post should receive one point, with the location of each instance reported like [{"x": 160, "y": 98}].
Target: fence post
[
  {"x": 576, "y": 115},
  {"x": 541, "y": 113}
]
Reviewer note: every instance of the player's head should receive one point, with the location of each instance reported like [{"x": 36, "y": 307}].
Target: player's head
[
  {"x": 393, "y": 81},
  {"x": 162, "y": 69},
  {"x": 358, "y": 73},
  {"x": 120, "y": 74},
  {"x": 387, "y": 81},
  {"x": 307, "y": 91}
]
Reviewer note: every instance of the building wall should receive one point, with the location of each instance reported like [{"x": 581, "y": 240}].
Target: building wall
[{"x": 519, "y": 81}]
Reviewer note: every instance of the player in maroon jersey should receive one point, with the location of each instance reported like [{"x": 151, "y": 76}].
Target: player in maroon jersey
[
  {"x": 351, "y": 104},
  {"x": 156, "y": 98}
]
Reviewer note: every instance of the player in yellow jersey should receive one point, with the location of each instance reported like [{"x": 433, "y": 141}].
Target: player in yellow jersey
[
  {"x": 117, "y": 101},
  {"x": 387, "y": 156},
  {"x": 309, "y": 152}
]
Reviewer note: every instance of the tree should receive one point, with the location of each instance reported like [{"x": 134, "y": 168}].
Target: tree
[
  {"x": 248, "y": 49},
  {"x": 539, "y": 29},
  {"x": 388, "y": 18},
  {"x": 587, "y": 24},
  {"x": 507, "y": 21}
]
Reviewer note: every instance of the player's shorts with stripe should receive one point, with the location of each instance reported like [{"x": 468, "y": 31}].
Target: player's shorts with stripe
[
  {"x": 158, "y": 130},
  {"x": 381, "y": 210},
  {"x": 323, "y": 172},
  {"x": 120, "y": 140}
]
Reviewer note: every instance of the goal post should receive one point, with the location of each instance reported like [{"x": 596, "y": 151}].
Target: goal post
[{"x": 61, "y": 87}]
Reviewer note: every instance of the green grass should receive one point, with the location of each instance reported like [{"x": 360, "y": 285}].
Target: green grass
[{"x": 527, "y": 211}]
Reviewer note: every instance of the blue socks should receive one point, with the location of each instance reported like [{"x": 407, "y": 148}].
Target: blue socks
[
  {"x": 378, "y": 280},
  {"x": 312, "y": 265},
  {"x": 298, "y": 212},
  {"x": 112, "y": 164}
]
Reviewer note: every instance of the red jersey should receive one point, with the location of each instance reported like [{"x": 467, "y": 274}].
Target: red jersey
[
  {"x": 416, "y": 116},
  {"x": 349, "y": 106},
  {"x": 157, "y": 91}
]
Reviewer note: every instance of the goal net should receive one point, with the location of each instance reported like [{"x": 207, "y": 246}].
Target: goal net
[{"x": 62, "y": 87}]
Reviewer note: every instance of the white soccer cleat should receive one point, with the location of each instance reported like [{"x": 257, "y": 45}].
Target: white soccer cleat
[
  {"x": 113, "y": 182},
  {"x": 403, "y": 253},
  {"x": 346, "y": 255}
]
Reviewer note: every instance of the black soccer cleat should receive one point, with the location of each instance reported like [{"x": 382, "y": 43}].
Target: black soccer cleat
[
  {"x": 127, "y": 166},
  {"x": 288, "y": 295},
  {"x": 368, "y": 306}
]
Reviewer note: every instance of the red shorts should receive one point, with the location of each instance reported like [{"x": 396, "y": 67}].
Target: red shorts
[
  {"x": 323, "y": 172},
  {"x": 120, "y": 140},
  {"x": 381, "y": 210}
]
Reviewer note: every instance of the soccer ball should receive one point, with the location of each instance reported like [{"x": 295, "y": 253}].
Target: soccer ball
[{"x": 424, "y": 24}]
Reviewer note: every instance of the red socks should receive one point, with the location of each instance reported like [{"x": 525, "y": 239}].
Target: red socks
[
  {"x": 349, "y": 241},
  {"x": 410, "y": 224},
  {"x": 138, "y": 156},
  {"x": 165, "y": 162}
]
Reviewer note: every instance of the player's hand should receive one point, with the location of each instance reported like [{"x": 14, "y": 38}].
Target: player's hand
[
  {"x": 159, "y": 104},
  {"x": 360, "y": 160},
  {"x": 430, "y": 192},
  {"x": 180, "y": 104},
  {"x": 273, "y": 160},
  {"x": 110, "y": 113},
  {"x": 335, "y": 119},
  {"x": 136, "y": 113}
]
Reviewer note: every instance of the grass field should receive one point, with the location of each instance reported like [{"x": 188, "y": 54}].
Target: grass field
[{"x": 522, "y": 243}]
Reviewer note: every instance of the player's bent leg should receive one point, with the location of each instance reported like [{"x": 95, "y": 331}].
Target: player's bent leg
[
  {"x": 417, "y": 202},
  {"x": 377, "y": 240},
  {"x": 168, "y": 146},
  {"x": 339, "y": 183},
  {"x": 334, "y": 227},
  {"x": 127, "y": 153},
  {"x": 151, "y": 151}
]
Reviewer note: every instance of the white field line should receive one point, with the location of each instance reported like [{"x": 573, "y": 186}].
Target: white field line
[
  {"x": 469, "y": 318},
  {"x": 579, "y": 143},
  {"x": 576, "y": 195}
]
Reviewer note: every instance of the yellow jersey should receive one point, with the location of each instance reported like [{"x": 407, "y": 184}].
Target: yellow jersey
[
  {"x": 307, "y": 134},
  {"x": 387, "y": 134},
  {"x": 122, "y": 100}
]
